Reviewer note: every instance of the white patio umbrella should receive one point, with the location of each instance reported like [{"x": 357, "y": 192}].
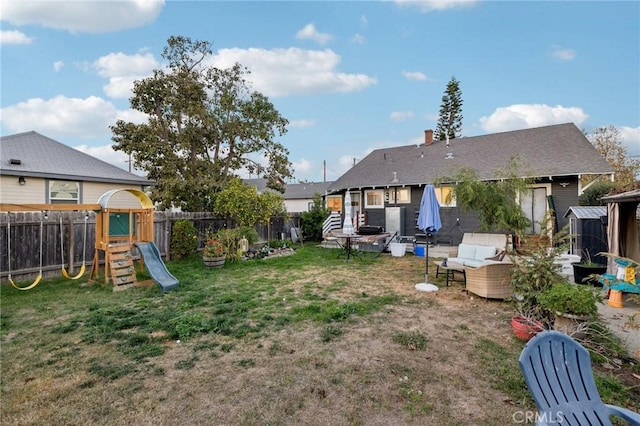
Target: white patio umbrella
[
  {"x": 429, "y": 222},
  {"x": 347, "y": 226}
]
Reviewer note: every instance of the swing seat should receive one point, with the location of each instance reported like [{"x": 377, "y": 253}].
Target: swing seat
[
  {"x": 29, "y": 287},
  {"x": 80, "y": 274}
]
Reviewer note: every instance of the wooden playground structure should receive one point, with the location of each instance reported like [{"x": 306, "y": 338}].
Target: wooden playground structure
[{"x": 116, "y": 232}]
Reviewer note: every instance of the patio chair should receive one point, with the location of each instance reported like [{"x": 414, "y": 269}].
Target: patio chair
[{"x": 557, "y": 370}]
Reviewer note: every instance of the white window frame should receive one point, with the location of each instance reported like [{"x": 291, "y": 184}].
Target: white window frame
[
  {"x": 334, "y": 198},
  {"x": 380, "y": 194},
  {"x": 64, "y": 200},
  {"x": 391, "y": 195},
  {"x": 442, "y": 198}
]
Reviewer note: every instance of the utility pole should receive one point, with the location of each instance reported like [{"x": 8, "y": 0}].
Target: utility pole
[{"x": 324, "y": 171}]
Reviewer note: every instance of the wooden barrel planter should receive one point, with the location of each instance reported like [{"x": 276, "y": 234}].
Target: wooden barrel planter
[{"x": 214, "y": 262}]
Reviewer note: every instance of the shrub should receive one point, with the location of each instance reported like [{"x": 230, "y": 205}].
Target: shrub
[
  {"x": 313, "y": 219},
  {"x": 230, "y": 240},
  {"x": 570, "y": 299},
  {"x": 592, "y": 195},
  {"x": 184, "y": 240}
]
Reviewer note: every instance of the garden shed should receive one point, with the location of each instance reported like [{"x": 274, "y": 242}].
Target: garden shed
[{"x": 588, "y": 230}]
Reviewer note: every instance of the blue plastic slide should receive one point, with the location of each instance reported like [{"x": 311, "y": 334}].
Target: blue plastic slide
[{"x": 156, "y": 267}]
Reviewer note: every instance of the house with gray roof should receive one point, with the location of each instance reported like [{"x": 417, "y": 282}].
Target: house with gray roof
[
  {"x": 35, "y": 169},
  {"x": 298, "y": 197},
  {"x": 386, "y": 186}
]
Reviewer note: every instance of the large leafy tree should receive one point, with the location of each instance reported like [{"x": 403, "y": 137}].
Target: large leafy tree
[
  {"x": 608, "y": 142},
  {"x": 450, "y": 119},
  {"x": 246, "y": 206},
  {"x": 204, "y": 125}
]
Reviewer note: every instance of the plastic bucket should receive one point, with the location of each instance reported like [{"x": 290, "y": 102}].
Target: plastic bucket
[
  {"x": 397, "y": 249},
  {"x": 419, "y": 251}
]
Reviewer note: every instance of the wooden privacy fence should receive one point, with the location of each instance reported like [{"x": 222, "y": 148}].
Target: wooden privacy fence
[{"x": 28, "y": 231}]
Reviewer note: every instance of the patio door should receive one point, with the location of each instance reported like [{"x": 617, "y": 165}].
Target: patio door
[{"x": 534, "y": 205}]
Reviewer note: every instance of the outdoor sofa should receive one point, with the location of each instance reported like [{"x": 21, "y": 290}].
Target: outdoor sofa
[{"x": 486, "y": 268}]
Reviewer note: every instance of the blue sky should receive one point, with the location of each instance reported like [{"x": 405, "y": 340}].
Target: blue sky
[{"x": 349, "y": 76}]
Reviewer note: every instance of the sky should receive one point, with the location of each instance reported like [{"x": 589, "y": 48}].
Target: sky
[{"x": 350, "y": 76}]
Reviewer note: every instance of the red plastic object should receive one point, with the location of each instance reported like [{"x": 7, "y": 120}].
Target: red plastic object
[{"x": 525, "y": 328}]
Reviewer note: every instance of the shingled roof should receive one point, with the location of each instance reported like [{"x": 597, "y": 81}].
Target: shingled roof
[
  {"x": 304, "y": 190},
  {"x": 557, "y": 150},
  {"x": 40, "y": 156}
]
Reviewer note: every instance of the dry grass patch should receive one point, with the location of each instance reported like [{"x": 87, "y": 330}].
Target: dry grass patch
[{"x": 303, "y": 339}]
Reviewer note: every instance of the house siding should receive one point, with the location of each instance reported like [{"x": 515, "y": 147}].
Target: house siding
[
  {"x": 93, "y": 191},
  {"x": 297, "y": 206},
  {"x": 32, "y": 192},
  {"x": 564, "y": 198}
]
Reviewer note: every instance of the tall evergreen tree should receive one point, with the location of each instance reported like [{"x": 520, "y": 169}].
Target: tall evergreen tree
[{"x": 450, "y": 120}]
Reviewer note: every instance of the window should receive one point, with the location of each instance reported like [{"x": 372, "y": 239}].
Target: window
[
  {"x": 442, "y": 193},
  {"x": 63, "y": 192},
  {"x": 374, "y": 199},
  {"x": 398, "y": 195},
  {"x": 334, "y": 203}
]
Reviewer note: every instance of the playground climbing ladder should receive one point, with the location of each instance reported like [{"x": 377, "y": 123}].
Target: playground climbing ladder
[{"x": 123, "y": 272}]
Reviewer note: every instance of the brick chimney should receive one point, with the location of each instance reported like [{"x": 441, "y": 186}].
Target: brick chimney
[{"x": 428, "y": 137}]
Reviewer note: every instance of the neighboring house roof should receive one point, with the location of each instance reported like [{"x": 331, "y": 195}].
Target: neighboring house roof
[
  {"x": 306, "y": 190},
  {"x": 260, "y": 184},
  {"x": 629, "y": 196},
  {"x": 587, "y": 212},
  {"x": 40, "y": 156},
  {"x": 557, "y": 150}
]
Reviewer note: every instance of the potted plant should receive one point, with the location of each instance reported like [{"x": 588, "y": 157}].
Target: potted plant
[
  {"x": 525, "y": 326},
  {"x": 585, "y": 270},
  {"x": 573, "y": 305},
  {"x": 213, "y": 254}
]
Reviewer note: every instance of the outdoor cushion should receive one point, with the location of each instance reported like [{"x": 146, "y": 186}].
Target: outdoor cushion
[
  {"x": 482, "y": 252},
  {"x": 467, "y": 251},
  {"x": 466, "y": 262},
  {"x": 474, "y": 263}
]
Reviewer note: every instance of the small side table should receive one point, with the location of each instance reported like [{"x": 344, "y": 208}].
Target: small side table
[{"x": 449, "y": 270}]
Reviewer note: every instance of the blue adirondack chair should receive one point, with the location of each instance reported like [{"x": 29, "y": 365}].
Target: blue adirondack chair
[{"x": 558, "y": 373}]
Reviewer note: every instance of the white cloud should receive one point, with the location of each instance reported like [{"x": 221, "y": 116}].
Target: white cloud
[
  {"x": 293, "y": 71},
  {"x": 364, "y": 21},
  {"x": 122, "y": 70},
  {"x": 308, "y": 122},
  {"x": 358, "y": 39},
  {"x": 414, "y": 75},
  {"x": 631, "y": 139},
  {"x": 563, "y": 54},
  {"x": 106, "y": 154},
  {"x": 302, "y": 168},
  {"x": 431, "y": 5},
  {"x": 62, "y": 116},
  {"x": 309, "y": 32},
  {"x": 401, "y": 115},
  {"x": 432, "y": 116},
  {"x": 14, "y": 37},
  {"x": 522, "y": 116},
  {"x": 58, "y": 65},
  {"x": 82, "y": 16}
]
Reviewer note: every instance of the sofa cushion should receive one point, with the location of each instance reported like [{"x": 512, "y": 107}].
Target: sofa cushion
[
  {"x": 467, "y": 251},
  {"x": 473, "y": 263},
  {"x": 482, "y": 252}
]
